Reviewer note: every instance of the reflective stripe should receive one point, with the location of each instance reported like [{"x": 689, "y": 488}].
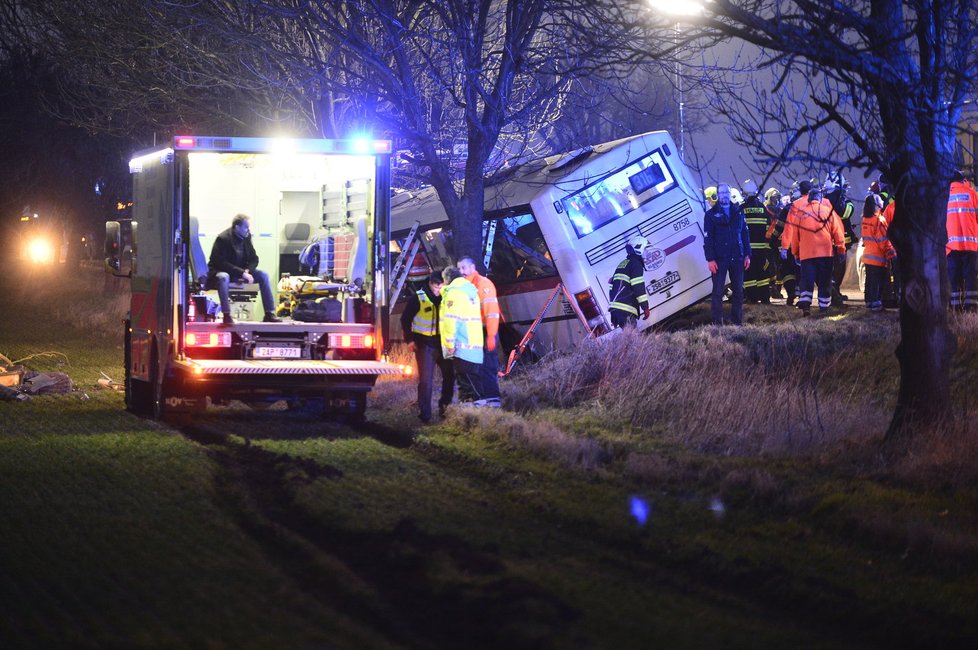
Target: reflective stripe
[
  {"x": 625, "y": 308},
  {"x": 424, "y": 320}
]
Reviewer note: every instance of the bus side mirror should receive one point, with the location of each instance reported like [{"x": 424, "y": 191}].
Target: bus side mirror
[{"x": 113, "y": 247}]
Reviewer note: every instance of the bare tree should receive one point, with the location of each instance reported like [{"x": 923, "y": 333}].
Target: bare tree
[
  {"x": 466, "y": 86},
  {"x": 875, "y": 83}
]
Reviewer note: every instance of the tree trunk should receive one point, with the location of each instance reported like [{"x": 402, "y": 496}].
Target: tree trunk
[{"x": 919, "y": 233}]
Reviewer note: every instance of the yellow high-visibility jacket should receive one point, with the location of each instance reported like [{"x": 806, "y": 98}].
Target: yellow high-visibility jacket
[{"x": 460, "y": 321}]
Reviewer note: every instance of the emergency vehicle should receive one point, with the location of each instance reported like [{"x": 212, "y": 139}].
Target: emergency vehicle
[
  {"x": 555, "y": 231},
  {"x": 179, "y": 356}
]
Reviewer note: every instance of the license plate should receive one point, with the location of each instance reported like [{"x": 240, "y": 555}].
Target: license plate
[{"x": 277, "y": 352}]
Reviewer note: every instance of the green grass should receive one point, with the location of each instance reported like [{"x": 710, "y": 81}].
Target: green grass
[{"x": 275, "y": 529}]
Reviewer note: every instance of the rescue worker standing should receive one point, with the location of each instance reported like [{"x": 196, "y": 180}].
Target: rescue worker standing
[
  {"x": 757, "y": 279},
  {"x": 813, "y": 233},
  {"x": 878, "y": 252},
  {"x": 835, "y": 189},
  {"x": 962, "y": 244},
  {"x": 627, "y": 293},
  {"x": 726, "y": 244},
  {"x": 460, "y": 327},
  {"x": 489, "y": 309},
  {"x": 786, "y": 267},
  {"x": 419, "y": 322}
]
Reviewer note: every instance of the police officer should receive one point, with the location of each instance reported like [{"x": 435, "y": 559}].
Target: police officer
[{"x": 419, "y": 322}]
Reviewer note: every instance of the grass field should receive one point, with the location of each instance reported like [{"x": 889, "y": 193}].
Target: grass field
[{"x": 694, "y": 489}]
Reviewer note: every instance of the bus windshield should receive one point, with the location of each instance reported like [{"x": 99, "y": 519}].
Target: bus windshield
[{"x": 616, "y": 195}]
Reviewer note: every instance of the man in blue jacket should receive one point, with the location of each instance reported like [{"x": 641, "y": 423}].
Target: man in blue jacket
[{"x": 726, "y": 244}]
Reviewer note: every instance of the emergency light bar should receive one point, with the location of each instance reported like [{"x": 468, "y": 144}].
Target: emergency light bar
[{"x": 357, "y": 146}]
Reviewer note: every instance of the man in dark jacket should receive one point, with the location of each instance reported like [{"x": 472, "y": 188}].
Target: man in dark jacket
[
  {"x": 419, "y": 322},
  {"x": 726, "y": 244},
  {"x": 627, "y": 293},
  {"x": 233, "y": 259}
]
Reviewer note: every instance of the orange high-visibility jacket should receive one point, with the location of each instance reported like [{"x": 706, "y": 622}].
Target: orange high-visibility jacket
[
  {"x": 813, "y": 229},
  {"x": 962, "y": 218},
  {"x": 487, "y": 302},
  {"x": 877, "y": 249}
]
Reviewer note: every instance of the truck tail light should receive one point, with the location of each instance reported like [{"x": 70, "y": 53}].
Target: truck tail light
[
  {"x": 207, "y": 339},
  {"x": 592, "y": 313},
  {"x": 351, "y": 341}
]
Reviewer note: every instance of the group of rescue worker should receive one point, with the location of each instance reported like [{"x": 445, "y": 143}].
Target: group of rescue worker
[
  {"x": 452, "y": 322},
  {"x": 797, "y": 243}
]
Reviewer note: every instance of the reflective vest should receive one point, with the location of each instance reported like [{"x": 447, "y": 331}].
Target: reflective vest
[
  {"x": 813, "y": 230},
  {"x": 758, "y": 218},
  {"x": 877, "y": 249},
  {"x": 424, "y": 320},
  {"x": 488, "y": 303},
  {"x": 962, "y": 218},
  {"x": 460, "y": 322}
]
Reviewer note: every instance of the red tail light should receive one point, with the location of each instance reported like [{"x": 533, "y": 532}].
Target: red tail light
[{"x": 592, "y": 313}]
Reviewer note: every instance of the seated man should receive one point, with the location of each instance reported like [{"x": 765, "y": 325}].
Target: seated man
[{"x": 233, "y": 258}]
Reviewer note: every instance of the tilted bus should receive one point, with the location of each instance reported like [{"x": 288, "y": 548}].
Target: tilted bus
[{"x": 566, "y": 219}]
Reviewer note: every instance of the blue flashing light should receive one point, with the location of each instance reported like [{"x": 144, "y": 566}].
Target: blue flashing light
[
  {"x": 362, "y": 145},
  {"x": 640, "y": 509}
]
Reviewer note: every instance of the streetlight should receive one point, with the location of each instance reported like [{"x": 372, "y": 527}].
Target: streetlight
[{"x": 678, "y": 8}]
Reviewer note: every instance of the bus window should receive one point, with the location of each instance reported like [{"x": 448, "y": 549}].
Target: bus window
[
  {"x": 618, "y": 194},
  {"x": 436, "y": 243},
  {"x": 519, "y": 252}
]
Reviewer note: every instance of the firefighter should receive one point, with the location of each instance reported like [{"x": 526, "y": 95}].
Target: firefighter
[
  {"x": 878, "y": 252},
  {"x": 710, "y": 194},
  {"x": 757, "y": 279},
  {"x": 490, "y": 314},
  {"x": 726, "y": 245},
  {"x": 813, "y": 234},
  {"x": 419, "y": 322},
  {"x": 836, "y": 189},
  {"x": 962, "y": 244},
  {"x": 786, "y": 267},
  {"x": 460, "y": 328},
  {"x": 627, "y": 293}
]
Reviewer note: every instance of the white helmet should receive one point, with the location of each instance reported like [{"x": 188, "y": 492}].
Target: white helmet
[
  {"x": 638, "y": 243},
  {"x": 750, "y": 187},
  {"x": 735, "y": 196}
]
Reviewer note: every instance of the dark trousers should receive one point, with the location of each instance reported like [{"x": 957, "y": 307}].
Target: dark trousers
[
  {"x": 961, "y": 269},
  {"x": 735, "y": 268},
  {"x": 876, "y": 277},
  {"x": 428, "y": 355},
  {"x": 757, "y": 279},
  {"x": 468, "y": 375},
  {"x": 816, "y": 271},
  {"x": 622, "y": 319},
  {"x": 490, "y": 372}
]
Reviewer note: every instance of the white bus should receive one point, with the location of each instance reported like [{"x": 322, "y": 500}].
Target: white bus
[{"x": 565, "y": 219}]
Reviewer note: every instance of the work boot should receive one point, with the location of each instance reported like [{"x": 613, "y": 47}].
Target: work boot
[
  {"x": 228, "y": 320},
  {"x": 270, "y": 317}
]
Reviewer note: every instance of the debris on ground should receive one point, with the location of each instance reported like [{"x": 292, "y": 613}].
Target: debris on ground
[
  {"x": 107, "y": 382},
  {"x": 18, "y": 383}
]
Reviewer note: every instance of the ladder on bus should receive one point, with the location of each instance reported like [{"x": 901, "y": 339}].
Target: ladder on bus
[
  {"x": 518, "y": 351},
  {"x": 402, "y": 265}
]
